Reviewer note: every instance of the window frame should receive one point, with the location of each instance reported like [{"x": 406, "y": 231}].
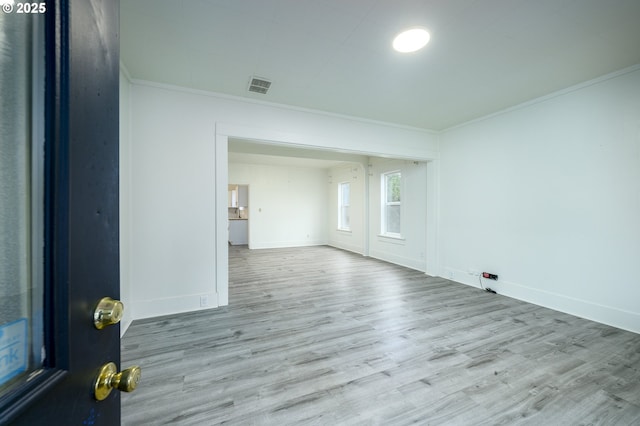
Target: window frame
[
  {"x": 341, "y": 206},
  {"x": 385, "y": 203}
]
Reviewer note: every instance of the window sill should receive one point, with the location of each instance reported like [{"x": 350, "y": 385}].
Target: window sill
[
  {"x": 346, "y": 231},
  {"x": 395, "y": 239}
]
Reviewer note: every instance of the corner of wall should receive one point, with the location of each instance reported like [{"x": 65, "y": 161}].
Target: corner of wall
[
  {"x": 125, "y": 72},
  {"x": 124, "y": 325},
  {"x": 150, "y": 308}
]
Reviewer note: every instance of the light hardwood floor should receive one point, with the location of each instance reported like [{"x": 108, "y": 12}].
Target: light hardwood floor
[{"x": 326, "y": 337}]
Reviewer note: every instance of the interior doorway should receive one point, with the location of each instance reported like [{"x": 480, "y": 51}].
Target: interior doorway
[
  {"x": 279, "y": 145},
  {"x": 238, "y": 214}
]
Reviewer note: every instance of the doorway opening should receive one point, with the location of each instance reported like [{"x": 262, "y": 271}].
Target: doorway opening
[
  {"x": 229, "y": 149},
  {"x": 238, "y": 213}
]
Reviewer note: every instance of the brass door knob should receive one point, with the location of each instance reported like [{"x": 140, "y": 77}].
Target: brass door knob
[
  {"x": 108, "y": 312},
  {"x": 109, "y": 379}
]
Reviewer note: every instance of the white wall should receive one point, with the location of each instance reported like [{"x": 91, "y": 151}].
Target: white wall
[
  {"x": 125, "y": 205},
  {"x": 354, "y": 239},
  {"x": 411, "y": 249},
  {"x": 548, "y": 197},
  {"x": 172, "y": 206},
  {"x": 287, "y": 205},
  {"x": 179, "y": 182}
]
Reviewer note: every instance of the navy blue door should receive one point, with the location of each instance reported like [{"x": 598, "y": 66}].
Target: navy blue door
[{"x": 76, "y": 215}]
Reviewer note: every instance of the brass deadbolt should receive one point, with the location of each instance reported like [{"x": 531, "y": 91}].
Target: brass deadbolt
[
  {"x": 109, "y": 379},
  {"x": 108, "y": 312}
]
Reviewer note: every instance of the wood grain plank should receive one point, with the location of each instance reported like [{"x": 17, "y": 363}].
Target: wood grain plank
[{"x": 321, "y": 336}]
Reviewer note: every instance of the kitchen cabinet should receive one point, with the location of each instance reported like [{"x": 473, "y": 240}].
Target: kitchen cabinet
[{"x": 238, "y": 232}]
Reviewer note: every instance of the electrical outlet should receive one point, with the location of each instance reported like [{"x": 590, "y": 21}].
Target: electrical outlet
[
  {"x": 204, "y": 301},
  {"x": 489, "y": 276}
]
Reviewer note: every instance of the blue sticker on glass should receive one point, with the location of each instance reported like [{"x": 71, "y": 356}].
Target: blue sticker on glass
[{"x": 13, "y": 349}]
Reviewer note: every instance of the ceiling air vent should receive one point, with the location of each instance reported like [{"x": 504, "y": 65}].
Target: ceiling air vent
[{"x": 259, "y": 85}]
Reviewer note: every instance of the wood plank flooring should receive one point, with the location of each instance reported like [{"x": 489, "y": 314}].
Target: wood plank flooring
[{"x": 320, "y": 336}]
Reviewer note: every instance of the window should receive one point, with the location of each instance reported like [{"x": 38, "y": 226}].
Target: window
[
  {"x": 344, "y": 195},
  {"x": 391, "y": 203},
  {"x": 22, "y": 207}
]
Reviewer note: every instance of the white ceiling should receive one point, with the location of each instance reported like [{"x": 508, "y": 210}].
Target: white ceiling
[{"x": 336, "y": 56}]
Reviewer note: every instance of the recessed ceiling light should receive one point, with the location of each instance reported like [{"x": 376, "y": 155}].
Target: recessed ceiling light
[{"x": 411, "y": 40}]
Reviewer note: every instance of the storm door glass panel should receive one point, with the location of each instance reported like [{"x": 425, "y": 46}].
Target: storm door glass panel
[{"x": 21, "y": 202}]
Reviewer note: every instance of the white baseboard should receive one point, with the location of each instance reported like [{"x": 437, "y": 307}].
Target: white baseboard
[
  {"x": 124, "y": 326},
  {"x": 417, "y": 264},
  {"x": 172, "y": 305},
  {"x": 349, "y": 247},
  {"x": 608, "y": 315},
  {"x": 286, "y": 244}
]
